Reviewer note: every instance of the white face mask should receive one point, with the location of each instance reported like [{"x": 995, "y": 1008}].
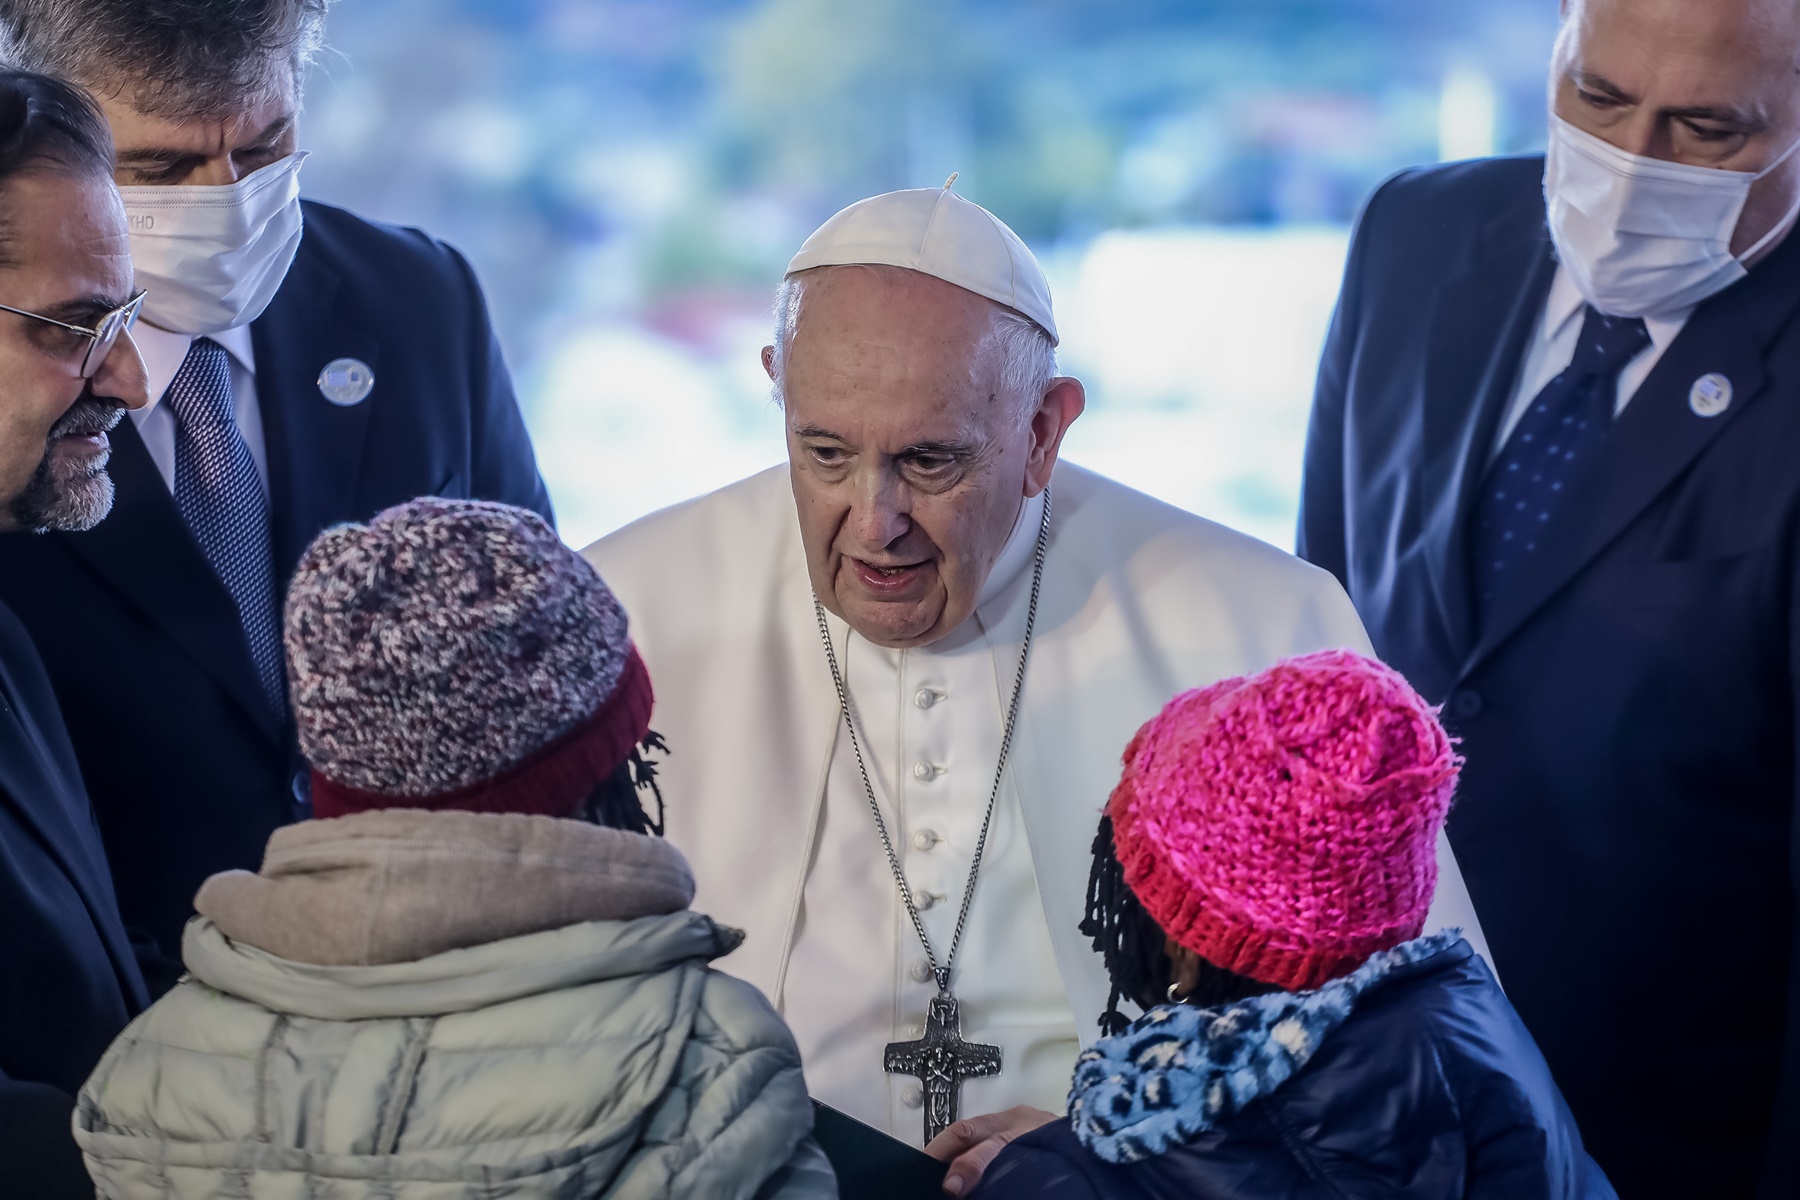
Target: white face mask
[
  {"x": 211, "y": 258},
  {"x": 1642, "y": 237}
]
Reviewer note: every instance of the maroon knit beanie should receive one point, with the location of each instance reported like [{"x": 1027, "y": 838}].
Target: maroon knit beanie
[
  {"x": 454, "y": 654},
  {"x": 1284, "y": 826}
]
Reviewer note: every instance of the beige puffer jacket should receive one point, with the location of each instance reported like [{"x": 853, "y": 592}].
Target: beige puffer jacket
[{"x": 450, "y": 1006}]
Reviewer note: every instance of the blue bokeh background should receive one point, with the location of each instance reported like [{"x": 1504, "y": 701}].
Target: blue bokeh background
[{"x": 630, "y": 176}]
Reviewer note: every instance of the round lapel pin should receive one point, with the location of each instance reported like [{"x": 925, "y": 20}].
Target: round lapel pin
[
  {"x": 1710, "y": 395},
  {"x": 346, "y": 381}
]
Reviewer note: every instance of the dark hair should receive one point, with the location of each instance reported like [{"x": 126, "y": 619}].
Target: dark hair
[
  {"x": 1133, "y": 946},
  {"x": 46, "y": 124},
  {"x": 616, "y": 804},
  {"x": 175, "y": 58}
]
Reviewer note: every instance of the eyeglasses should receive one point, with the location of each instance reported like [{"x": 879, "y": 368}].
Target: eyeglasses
[{"x": 100, "y": 338}]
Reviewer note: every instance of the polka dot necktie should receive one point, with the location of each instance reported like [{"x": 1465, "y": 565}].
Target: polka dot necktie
[
  {"x": 221, "y": 499},
  {"x": 1557, "y": 439}
]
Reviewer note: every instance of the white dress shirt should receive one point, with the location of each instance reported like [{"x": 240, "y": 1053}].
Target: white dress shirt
[
  {"x": 164, "y": 352},
  {"x": 930, "y": 722},
  {"x": 1552, "y": 349}
]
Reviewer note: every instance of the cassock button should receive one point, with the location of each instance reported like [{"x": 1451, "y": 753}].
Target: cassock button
[
  {"x": 925, "y": 839},
  {"x": 913, "y": 1096},
  {"x": 924, "y": 698},
  {"x": 923, "y": 772},
  {"x": 927, "y": 900},
  {"x": 920, "y": 971},
  {"x": 1466, "y": 703}
]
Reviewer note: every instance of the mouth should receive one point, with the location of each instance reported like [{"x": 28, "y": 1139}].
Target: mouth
[
  {"x": 85, "y": 426},
  {"x": 888, "y": 579},
  {"x": 90, "y": 440}
]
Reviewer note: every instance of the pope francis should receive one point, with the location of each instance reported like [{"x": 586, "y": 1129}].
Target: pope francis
[{"x": 897, "y": 674}]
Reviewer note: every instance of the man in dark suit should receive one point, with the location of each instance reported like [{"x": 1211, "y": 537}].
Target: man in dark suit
[
  {"x": 1553, "y": 460},
  {"x": 306, "y": 368},
  {"x": 68, "y": 977}
]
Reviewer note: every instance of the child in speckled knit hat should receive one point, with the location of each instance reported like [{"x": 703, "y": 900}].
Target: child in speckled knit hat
[
  {"x": 1261, "y": 879},
  {"x": 476, "y": 972}
]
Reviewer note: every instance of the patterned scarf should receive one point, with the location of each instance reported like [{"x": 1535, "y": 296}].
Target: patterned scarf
[{"x": 1177, "y": 1071}]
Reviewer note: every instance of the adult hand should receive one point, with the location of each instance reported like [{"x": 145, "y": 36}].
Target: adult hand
[{"x": 969, "y": 1146}]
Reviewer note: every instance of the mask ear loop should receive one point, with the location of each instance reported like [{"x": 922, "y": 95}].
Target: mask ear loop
[{"x": 1786, "y": 224}]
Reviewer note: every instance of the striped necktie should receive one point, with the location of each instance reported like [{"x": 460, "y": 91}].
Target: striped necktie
[{"x": 221, "y": 498}]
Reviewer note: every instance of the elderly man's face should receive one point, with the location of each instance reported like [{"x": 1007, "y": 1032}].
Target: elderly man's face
[
  {"x": 1708, "y": 83},
  {"x": 65, "y": 256},
  {"x": 218, "y": 150},
  {"x": 909, "y": 463}
]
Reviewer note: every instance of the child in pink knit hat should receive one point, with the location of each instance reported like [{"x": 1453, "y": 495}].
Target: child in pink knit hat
[{"x": 1260, "y": 883}]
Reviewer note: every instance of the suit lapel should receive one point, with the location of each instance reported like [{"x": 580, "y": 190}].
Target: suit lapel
[
  {"x": 1658, "y": 436},
  {"x": 145, "y": 551},
  {"x": 1480, "y": 323},
  {"x": 315, "y": 447}
]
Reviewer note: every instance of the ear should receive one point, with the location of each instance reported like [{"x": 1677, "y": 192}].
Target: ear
[
  {"x": 1184, "y": 967},
  {"x": 768, "y": 357},
  {"x": 1063, "y": 402}
]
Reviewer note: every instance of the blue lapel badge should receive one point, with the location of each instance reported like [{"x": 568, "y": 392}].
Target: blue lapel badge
[
  {"x": 1710, "y": 395},
  {"x": 348, "y": 381}
]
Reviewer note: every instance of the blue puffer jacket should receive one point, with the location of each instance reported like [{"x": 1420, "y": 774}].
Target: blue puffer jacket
[{"x": 1411, "y": 1077}]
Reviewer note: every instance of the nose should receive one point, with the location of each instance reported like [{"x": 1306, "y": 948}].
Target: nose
[
  {"x": 881, "y": 516},
  {"x": 122, "y": 376}
]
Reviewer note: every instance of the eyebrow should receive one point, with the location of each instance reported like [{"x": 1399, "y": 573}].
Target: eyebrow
[
  {"x": 89, "y": 307},
  {"x": 167, "y": 156},
  {"x": 947, "y": 449},
  {"x": 927, "y": 447},
  {"x": 1748, "y": 122}
]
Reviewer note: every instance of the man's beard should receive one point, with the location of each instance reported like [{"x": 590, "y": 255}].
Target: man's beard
[{"x": 70, "y": 495}]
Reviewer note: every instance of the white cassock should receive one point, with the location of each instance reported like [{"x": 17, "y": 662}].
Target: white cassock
[{"x": 1140, "y": 601}]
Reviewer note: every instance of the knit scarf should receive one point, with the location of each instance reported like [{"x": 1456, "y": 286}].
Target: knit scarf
[{"x": 1178, "y": 1071}]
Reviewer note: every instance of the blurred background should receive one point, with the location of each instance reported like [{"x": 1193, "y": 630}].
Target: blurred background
[{"x": 629, "y": 178}]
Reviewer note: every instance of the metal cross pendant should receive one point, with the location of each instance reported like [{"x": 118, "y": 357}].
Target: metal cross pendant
[{"x": 941, "y": 1060}]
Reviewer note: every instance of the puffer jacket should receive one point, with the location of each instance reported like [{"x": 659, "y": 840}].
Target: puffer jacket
[
  {"x": 453, "y": 1006},
  {"x": 1412, "y": 1077}
]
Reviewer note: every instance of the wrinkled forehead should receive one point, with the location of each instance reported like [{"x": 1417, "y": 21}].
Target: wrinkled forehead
[
  {"x": 66, "y": 230},
  {"x": 890, "y": 355},
  {"x": 1738, "y": 54},
  {"x": 225, "y": 87},
  {"x": 879, "y": 313}
]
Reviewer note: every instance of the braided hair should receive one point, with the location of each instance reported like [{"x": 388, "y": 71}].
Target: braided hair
[
  {"x": 1133, "y": 946},
  {"x": 615, "y": 802}
]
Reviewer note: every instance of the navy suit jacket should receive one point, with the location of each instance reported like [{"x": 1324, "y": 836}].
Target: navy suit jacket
[
  {"x": 188, "y": 766},
  {"x": 68, "y": 977},
  {"x": 1626, "y": 820}
]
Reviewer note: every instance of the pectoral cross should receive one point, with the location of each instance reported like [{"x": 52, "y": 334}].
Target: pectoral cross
[{"x": 941, "y": 1060}]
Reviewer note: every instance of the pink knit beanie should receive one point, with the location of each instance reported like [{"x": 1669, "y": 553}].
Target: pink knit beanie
[{"x": 1284, "y": 826}]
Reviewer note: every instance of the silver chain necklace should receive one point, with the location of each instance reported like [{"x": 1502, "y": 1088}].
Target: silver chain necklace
[{"x": 941, "y": 1060}]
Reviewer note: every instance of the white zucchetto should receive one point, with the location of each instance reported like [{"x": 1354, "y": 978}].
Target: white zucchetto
[{"x": 936, "y": 232}]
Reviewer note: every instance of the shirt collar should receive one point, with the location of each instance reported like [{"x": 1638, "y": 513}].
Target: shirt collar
[
  {"x": 164, "y": 352},
  {"x": 1565, "y": 305}
]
